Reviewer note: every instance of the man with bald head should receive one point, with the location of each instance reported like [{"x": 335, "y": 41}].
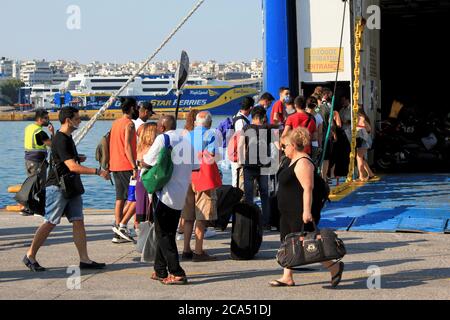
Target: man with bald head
[{"x": 168, "y": 203}]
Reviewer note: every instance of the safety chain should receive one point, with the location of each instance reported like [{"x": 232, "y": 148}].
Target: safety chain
[{"x": 360, "y": 23}]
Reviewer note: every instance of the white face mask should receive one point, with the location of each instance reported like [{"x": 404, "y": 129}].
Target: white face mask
[
  {"x": 290, "y": 111},
  {"x": 74, "y": 126}
]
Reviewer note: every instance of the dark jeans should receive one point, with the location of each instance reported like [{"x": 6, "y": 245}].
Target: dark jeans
[
  {"x": 166, "y": 224},
  {"x": 250, "y": 175}
]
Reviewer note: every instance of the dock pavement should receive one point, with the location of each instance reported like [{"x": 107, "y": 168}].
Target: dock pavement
[{"x": 411, "y": 266}]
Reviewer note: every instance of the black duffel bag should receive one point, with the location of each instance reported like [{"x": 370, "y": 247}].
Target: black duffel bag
[{"x": 303, "y": 248}]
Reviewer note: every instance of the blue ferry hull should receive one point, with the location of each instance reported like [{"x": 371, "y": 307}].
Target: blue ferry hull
[{"x": 218, "y": 101}]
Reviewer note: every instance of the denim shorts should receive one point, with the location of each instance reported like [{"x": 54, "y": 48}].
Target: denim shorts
[{"x": 56, "y": 206}]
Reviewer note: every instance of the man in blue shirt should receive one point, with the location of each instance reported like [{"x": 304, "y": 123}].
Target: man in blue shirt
[{"x": 200, "y": 206}]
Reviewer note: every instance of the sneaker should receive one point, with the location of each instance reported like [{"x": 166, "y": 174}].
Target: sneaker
[
  {"x": 209, "y": 233},
  {"x": 202, "y": 257},
  {"x": 33, "y": 266},
  {"x": 180, "y": 236},
  {"x": 123, "y": 233},
  {"x": 117, "y": 239}
]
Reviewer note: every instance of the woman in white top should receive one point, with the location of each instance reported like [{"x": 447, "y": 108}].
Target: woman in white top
[
  {"x": 363, "y": 143},
  {"x": 316, "y": 139}
]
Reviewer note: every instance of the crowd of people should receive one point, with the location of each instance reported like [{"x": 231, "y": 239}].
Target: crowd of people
[{"x": 269, "y": 152}]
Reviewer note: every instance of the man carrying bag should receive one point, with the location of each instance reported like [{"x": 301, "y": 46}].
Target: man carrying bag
[{"x": 63, "y": 192}]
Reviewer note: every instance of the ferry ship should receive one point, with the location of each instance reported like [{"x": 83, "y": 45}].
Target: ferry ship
[{"x": 89, "y": 93}]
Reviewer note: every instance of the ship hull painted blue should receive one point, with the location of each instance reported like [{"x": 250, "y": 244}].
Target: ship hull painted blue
[{"x": 217, "y": 101}]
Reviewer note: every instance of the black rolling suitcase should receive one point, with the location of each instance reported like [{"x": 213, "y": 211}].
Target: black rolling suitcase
[
  {"x": 247, "y": 233},
  {"x": 227, "y": 198}
]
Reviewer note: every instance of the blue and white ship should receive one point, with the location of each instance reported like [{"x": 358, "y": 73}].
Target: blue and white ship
[{"x": 91, "y": 92}]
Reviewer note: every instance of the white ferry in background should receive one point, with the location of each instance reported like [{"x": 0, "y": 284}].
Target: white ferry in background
[{"x": 91, "y": 92}]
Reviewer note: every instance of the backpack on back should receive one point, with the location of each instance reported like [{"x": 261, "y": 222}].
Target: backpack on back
[
  {"x": 102, "y": 151},
  {"x": 232, "y": 151},
  {"x": 159, "y": 175},
  {"x": 320, "y": 196},
  {"x": 223, "y": 128}
]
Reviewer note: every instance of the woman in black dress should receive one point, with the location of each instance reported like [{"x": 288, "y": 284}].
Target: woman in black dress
[{"x": 296, "y": 183}]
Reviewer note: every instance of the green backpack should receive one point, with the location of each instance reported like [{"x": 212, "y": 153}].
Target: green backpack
[{"x": 159, "y": 175}]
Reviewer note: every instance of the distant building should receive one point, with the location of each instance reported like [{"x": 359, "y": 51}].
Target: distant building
[
  {"x": 40, "y": 72},
  {"x": 36, "y": 72},
  {"x": 6, "y": 68}
]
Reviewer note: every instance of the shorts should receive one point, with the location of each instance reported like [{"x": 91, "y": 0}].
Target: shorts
[
  {"x": 56, "y": 206},
  {"x": 121, "y": 182},
  {"x": 200, "y": 206}
]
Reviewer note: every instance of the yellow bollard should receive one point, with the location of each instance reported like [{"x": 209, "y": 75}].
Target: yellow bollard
[
  {"x": 14, "y": 189},
  {"x": 14, "y": 208}
]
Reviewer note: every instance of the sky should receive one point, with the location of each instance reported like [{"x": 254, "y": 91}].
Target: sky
[{"x": 119, "y": 31}]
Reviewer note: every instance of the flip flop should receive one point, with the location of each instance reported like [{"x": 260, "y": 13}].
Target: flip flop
[
  {"x": 174, "y": 280},
  {"x": 276, "y": 283},
  {"x": 156, "y": 277}
]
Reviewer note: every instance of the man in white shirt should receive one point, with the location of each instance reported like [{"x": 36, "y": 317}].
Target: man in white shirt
[
  {"x": 169, "y": 202},
  {"x": 240, "y": 120}
]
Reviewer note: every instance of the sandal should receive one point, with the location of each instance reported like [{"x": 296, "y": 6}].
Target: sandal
[
  {"x": 337, "y": 277},
  {"x": 277, "y": 283},
  {"x": 33, "y": 266},
  {"x": 156, "y": 277},
  {"x": 174, "y": 280}
]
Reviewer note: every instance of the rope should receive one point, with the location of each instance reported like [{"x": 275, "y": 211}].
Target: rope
[
  {"x": 330, "y": 120},
  {"x": 84, "y": 131}
]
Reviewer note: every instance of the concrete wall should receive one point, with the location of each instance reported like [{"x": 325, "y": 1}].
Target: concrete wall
[{"x": 319, "y": 25}]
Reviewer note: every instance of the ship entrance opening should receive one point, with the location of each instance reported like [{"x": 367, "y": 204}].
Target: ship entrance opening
[
  {"x": 413, "y": 52},
  {"x": 413, "y": 58}
]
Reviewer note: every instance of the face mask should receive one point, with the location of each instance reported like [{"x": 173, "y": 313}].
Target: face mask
[
  {"x": 290, "y": 111},
  {"x": 287, "y": 99},
  {"x": 75, "y": 127}
]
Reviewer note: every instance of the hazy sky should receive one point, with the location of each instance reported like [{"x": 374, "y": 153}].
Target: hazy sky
[{"x": 130, "y": 30}]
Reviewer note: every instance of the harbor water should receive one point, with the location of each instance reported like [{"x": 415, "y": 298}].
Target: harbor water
[{"x": 100, "y": 194}]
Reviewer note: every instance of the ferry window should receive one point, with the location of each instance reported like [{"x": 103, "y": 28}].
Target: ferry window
[
  {"x": 155, "y": 82},
  {"x": 108, "y": 80},
  {"x": 106, "y": 88},
  {"x": 41, "y": 90},
  {"x": 154, "y": 89}
]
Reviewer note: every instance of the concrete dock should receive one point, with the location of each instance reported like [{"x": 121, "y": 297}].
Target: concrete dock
[{"x": 412, "y": 266}]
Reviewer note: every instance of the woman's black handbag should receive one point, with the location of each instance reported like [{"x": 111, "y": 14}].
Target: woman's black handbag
[{"x": 302, "y": 248}]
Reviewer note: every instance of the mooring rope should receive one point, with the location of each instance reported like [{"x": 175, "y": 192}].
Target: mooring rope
[{"x": 84, "y": 131}]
